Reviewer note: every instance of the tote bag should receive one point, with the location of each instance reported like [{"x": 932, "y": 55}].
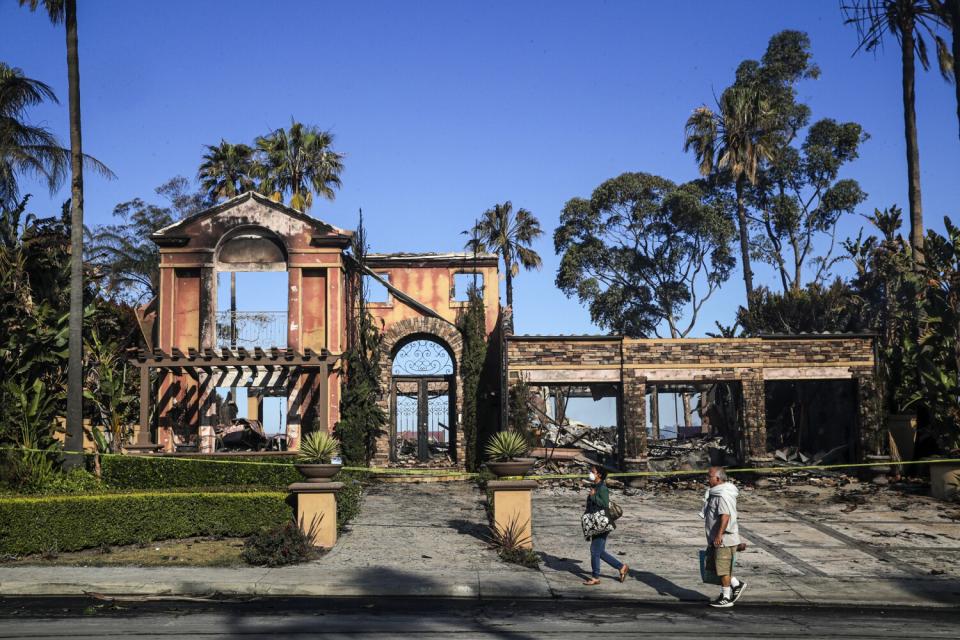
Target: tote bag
[{"x": 595, "y": 523}]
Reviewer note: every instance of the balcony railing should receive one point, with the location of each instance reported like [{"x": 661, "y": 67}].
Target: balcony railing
[{"x": 252, "y": 329}]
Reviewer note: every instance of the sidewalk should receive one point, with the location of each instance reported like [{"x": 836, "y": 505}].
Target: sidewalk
[
  {"x": 314, "y": 581},
  {"x": 428, "y": 540}
]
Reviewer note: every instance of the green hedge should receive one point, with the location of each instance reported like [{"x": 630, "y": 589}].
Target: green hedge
[
  {"x": 70, "y": 523},
  {"x": 157, "y": 472}
]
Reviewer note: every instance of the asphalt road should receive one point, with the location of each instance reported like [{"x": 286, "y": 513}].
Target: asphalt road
[{"x": 424, "y": 619}]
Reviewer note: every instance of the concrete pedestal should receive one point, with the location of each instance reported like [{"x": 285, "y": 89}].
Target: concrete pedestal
[
  {"x": 317, "y": 510},
  {"x": 513, "y": 507}
]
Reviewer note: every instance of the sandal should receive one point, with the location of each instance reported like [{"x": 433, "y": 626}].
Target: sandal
[
  {"x": 591, "y": 582},
  {"x": 624, "y": 570}
]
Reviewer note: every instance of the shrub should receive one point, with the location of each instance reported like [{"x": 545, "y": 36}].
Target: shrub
[
  {"x": 506, "y": 445},
  {"x": 70, "y": 523},
  {"x": 472, "y": 325},
  {"x": 158, "y": 472},
  {"x": 318, "y": 447},
  {"x": 511, "y": 543},
  {"x": 74, "y": 481},
  {"x": 280, "y": 545},
  {"x": 349, "y": 497}
]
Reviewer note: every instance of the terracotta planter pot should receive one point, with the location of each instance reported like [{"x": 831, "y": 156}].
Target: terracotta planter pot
[
  {"x": 318, "y": 472},
  {"x": 515, "y": 467}
]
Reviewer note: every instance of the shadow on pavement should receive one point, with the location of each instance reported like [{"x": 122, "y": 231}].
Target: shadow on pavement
[
  {"x": 943, "y": 591},
  {"x": 666, "y": 587},
  {"x": 372, "y": 617},
  {"x": 564, "y": 564},
  {"x": 466, "y": 527}
]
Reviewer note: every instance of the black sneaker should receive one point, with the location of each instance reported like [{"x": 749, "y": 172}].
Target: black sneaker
[
  {"x": 722, "y": 602},
  {"x": 737, "y": 590}
]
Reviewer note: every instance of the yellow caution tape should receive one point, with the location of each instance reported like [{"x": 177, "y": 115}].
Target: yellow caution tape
[{"x": 468, "y": 474}]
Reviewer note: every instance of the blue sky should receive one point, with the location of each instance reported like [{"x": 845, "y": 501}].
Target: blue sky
[{"x": 444, "y": 108}]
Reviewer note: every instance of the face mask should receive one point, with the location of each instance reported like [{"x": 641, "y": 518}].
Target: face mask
[{"x": 593, "y": 477}]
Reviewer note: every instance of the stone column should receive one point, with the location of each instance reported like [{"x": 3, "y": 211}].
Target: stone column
[
  {"x": 754, "y": 416},
  {"x": 317, "y": 510},
  {"x": 872, "y": 438},
  {"x": 513, "y": 508},
  {"x": 208, "y": 308},
  {"x": 634, "y": 394}
]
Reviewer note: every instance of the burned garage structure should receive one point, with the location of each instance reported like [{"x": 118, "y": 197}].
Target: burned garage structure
[
  {"x": 218, "y": 363},
  {"x": 809, "y": 398}
]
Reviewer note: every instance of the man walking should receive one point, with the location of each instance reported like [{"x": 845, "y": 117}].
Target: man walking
[{"x": 723, "y": 534}]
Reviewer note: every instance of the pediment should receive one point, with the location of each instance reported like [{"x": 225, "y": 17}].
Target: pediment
[{"x": 250, "y": 210}]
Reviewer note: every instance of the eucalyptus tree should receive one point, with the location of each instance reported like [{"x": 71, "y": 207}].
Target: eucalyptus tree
[
  {"x": 799, "y": 198},
  {"x": 298, "y": 161},
  {"x": 508, "y": 235},
  {"x": 912, "y": 23},
  {"x": 65, "y": 11},
  {"x": 126, "y": 261},
  {"x": 227, "y": 170},
  {"x": 755, "y": 117},
  {"x": 643, "y": 252}
]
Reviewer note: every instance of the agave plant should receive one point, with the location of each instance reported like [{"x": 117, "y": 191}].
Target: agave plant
[
  {"x": 318, "y": 447},
  {"x": 506, "y": 445}
]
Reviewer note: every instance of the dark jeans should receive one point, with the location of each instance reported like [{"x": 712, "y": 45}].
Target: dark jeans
[{"x": 598, "y": 552}]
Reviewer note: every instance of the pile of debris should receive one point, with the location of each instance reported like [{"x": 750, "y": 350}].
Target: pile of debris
[
  {"x": 793, "y": 456},
  {"x": 688, "y": 454},
  {"x": 602, "y": 440}
]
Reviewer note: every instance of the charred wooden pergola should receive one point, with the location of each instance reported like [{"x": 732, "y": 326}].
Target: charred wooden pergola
[{"x": 224, "y": 367}]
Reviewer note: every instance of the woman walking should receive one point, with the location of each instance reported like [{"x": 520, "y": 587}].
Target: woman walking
[{"x": 599, "y": 500}]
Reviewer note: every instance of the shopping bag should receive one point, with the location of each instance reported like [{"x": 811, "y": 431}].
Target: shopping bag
[{"x": 708, "y": 566}]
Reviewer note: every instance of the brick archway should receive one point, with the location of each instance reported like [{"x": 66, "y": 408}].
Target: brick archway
[{"x": 395, "y": 337}]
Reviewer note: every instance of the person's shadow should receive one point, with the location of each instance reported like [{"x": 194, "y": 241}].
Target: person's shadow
[
  {"x": 564, "y": 564},
  {"x": 661, "y": 585},
  {"x": 665, "y": 587}
]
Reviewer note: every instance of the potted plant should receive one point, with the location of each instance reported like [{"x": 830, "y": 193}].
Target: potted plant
[
  {"x": 504, "y": 452},
  {"x": 317, "y": 449}
]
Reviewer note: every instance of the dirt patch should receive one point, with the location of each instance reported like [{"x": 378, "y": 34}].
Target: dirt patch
[{"x": 187, "y": 552}]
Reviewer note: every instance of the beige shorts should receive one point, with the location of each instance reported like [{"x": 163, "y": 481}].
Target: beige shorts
[{"x": 723, "y": 560}]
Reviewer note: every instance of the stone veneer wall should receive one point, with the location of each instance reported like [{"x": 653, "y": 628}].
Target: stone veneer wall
[{"x": 634, "y": 363}]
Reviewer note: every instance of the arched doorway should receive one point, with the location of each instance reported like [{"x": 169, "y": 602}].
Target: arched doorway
[{"x": 422, "y": 402}]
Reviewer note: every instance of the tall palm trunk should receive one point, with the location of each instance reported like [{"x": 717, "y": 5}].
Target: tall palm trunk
[
  {"x": 910, "y": 132},
  {"x": 744, "y": 240},
  {"x": 75, "y": 366},
  {"x": 509, "y": 279}
]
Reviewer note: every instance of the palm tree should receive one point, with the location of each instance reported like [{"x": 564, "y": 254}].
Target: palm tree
[
  {"x": 65, "y": 11},
  {"x": 733, "y": 142},
  {"x": 227, "y": 170},
  {"x": 299, "y": 161},
  {"x": 26, "y": 149},
  {"x": 509, "y": 237},
  {"x": 950, "y": 13},
  {"x": 911, "y": 23}
]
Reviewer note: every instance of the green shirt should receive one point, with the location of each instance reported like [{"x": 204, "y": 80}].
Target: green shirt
[{"x": 600, "y": 499}]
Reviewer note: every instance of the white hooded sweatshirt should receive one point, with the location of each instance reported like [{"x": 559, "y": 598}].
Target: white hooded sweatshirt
[{"x": 717, "y": 501}]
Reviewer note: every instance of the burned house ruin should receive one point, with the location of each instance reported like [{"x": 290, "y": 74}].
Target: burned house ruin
[{"x": 807, "y": 395}]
